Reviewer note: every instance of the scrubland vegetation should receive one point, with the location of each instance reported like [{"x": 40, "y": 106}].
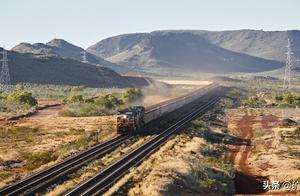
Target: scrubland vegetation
[
  {"x": 60, "y": 92},
  {"x": 16, "y": 101},
  {"x": 77, "y": 105}
]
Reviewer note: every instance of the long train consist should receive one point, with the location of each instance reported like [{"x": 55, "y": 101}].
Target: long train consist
[{"x": 134, "y": 118}]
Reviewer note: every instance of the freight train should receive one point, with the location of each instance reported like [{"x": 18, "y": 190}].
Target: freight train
[{"x": 131, "y": 119}]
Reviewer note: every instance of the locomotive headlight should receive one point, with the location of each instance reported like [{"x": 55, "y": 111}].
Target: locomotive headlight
[{"x": 124, "y": 116}]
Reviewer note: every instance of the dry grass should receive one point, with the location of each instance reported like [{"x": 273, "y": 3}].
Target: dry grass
[
  {"x": 92, "y": 168},
  {"x": 46, "y": 134},
  {"x": 178, "y": 168}
]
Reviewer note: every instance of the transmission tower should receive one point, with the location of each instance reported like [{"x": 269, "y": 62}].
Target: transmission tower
[
  {"x": 288, "y": 67},
  {"x": 84, "y": 60},
  {"x": 4, "y": 78}
]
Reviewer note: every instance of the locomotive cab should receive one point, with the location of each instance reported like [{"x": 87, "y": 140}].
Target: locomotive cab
[{"x": 130, "y": 120}]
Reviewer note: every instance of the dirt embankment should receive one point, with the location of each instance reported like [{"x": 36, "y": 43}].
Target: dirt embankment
[
  {"x": 246, "y": 180},
  {"x": 267, "y": 157}
]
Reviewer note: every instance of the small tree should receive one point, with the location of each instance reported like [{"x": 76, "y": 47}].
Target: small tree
[{"x": 131, "y": 95}]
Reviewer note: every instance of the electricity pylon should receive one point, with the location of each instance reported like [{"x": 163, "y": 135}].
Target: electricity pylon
[
  {"x": 84, "y": 59},
  {"x": 5, "y": 77},
  {"x": 288, "y": 67}
]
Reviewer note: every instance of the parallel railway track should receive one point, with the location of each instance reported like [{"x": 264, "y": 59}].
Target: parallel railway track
[
  {"x": 39, "y": 180},
  {"x": 105, "y": 178},
  {"x": 45, "y": 178}
]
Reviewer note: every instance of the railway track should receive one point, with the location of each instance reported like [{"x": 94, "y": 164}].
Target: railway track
[
  {"x": 57, "y": 173},
  {"x": 105, "y": 178},
  {"x": 48, "y": 176}
]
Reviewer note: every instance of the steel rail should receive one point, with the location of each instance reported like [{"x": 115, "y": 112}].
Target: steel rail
[
  {"x": 105, "y": 178},
  {"x": 42, "y": 177}
]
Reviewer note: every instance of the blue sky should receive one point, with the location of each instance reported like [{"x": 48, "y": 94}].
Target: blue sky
[{"x": 85, "y": 22}]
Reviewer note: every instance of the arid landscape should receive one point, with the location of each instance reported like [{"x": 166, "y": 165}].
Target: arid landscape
[{"x": 150, "y": 98}]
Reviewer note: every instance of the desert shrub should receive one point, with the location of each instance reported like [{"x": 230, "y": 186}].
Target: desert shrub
[
  {"x": 35, "y": 160},
  {"x": 224, "y": 130},
  {"x": 22, "y": 97},
  {"x": 77, "y": 106},
  {"x": 12, "y": 106},
  {"x": 252, "y": 100},
  {"x": 108, "y": 101},
  {"x": 19, "y": 87},
  {"x": 132, "y": 95},
  {"x": 75, "y": 98},
  {"x": 80, "y": 143},
  {"x": 5, "y": 174},
  {"x": 13, "y": 133},
  {"x": 204, "y": 179},
  {"x": 199, "y": 123},
  {"x": 278, "y": 98},
  {"x": 288, "y": 98},
  {"x": 77, "y": 88},
  {"x": 83, "y": 109},
  {"x": 234, "y": 94}
]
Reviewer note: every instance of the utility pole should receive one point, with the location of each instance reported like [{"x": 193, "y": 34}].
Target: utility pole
[
  {"x": 5, "y": 77},
  {"x": 288, "y": 67}
]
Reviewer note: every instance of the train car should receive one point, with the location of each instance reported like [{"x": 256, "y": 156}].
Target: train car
[
  {"x": 129, "y": 120},
  {"x": 163, "y": 108}
]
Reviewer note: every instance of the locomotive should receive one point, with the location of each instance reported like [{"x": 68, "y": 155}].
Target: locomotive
[
  {"x": 134, "y": 118},
  {"x": 130, "y": 120}
]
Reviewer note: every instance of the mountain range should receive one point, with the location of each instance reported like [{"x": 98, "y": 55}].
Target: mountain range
[
  {"x": 66, "y": 50},
  {"x": 212, "y": 51},
  {"x": 163, "y": 52}
]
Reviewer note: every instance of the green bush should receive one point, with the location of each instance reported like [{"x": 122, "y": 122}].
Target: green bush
[
  {"x": 22, "y": 97},
  {"x": 83, "y": 109},
  {"x": 132, "y": 95},
  {"x": 75, "y": 98},
  {"x": 108, "y": 102},
  {"x": 234, "y": 94},
  {"x": 278, "y": 98},
  {"x": 288, "y": 98},
  {"x": 224, "y": 130}
]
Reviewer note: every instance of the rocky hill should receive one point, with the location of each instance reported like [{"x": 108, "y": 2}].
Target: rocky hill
[
  {"x": 64, "y": 49},
  {"x": 47, "y": 69},
  {"x": 265, "y": 44},
  {"x": 183, "y": 51}
]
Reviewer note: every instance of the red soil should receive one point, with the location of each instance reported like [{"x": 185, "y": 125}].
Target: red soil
[{"x": 246, "y": 181}]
